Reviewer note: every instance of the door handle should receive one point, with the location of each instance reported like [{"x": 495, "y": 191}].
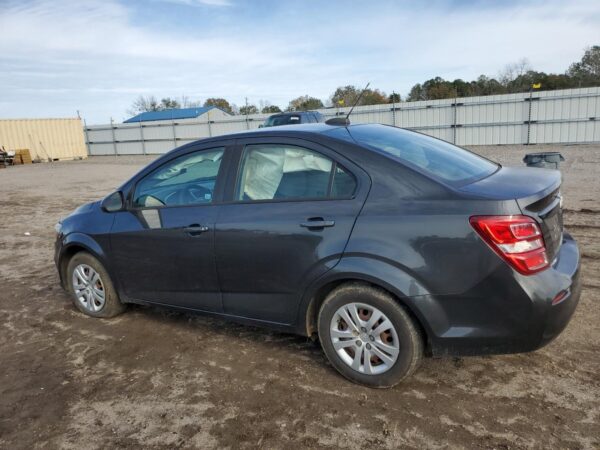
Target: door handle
[
  {"x": 317, "y": 222},
  {"x": 195, "y": 229}
]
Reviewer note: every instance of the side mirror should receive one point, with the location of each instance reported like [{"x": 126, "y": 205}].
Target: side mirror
[
  {"x": 113, "y": 202},
  {"x": 261, "y": 126}
]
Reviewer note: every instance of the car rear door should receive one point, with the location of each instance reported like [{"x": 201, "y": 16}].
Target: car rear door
[
  {"x": 289, "y": 213},
  {"x": 163, "y": 244}
]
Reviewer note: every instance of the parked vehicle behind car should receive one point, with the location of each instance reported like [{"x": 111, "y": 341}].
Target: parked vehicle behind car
[
  {"x": 386, "y": 244},
  {"x": 293, "y": 118}
]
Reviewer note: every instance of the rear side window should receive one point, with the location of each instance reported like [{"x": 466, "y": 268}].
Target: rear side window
[
  {"x": 285, "y": 119},
  {"x": 344, "y": 183},
  {"x": 287, "y": 172},
  {"x": 441, "y": 159}
]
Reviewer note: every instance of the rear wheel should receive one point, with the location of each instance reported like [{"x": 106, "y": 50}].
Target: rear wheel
[
  {"x": 91, "y": 287},
  {"x": 368, "y": 337}
]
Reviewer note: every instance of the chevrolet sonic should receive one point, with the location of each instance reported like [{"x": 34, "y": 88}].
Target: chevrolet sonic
[{"x": 386, "y": 244}]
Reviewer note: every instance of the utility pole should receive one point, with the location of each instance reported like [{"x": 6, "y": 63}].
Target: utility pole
[
  {"x": 455, "y": 116},
  {"x": 87, "y": 138},
  {"x": 112, "y": 130},
  {"x": 247, "y": 124},
  {"x": 394, "y": 107},
  {"x": 531, "y": 88},
  {"x": 529, "y": 114}
]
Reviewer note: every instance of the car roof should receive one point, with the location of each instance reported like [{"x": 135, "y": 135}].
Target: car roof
[
  {"x": 298, "y": 130},
  {"x": 294, "y": 113},
  {"x": 305, "y": 127},
  {"x": 288, "y": 130}
]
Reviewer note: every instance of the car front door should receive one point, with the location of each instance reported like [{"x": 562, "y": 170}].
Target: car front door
[
  {"x": 163, "y": 244},
  {"x": 288, "y": 216}
]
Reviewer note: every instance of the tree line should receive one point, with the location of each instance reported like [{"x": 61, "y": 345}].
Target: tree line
[{"x": 514, "y": 78}]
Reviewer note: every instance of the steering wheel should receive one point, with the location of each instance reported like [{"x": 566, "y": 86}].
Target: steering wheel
[{"x": 192, "y": 194}]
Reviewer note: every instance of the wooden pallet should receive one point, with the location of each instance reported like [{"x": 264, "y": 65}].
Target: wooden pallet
[{"x": 24, "y": 154}]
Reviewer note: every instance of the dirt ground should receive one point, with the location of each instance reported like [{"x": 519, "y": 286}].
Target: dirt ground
[{"x": 157, "y": 379}]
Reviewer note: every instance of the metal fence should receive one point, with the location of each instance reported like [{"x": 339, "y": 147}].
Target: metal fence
[
  {"x": 547, "y": 117},
  {"x": 45, "y": 138}
]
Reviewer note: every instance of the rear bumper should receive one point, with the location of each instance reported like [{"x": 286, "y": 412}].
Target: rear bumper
[
  {"x": 559, "y": 314},
  {"x": 507, "y": 312}
]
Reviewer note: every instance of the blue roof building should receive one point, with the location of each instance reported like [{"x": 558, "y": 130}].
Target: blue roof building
[{"x": 173, "y": 114}]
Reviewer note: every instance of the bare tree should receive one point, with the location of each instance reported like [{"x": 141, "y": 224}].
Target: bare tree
[
  {"x": 513, "y": 71},
  {"x": 144, "y": 104},
  {"x": 150, "y": 103},
  {"x": 169, "y": 103},
  {"x": 186, "y": 102}
]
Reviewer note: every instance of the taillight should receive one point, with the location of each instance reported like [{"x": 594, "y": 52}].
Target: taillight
[{"x": 516, "y": 239}]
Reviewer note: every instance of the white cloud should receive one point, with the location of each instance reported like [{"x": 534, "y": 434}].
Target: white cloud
[
  {"x": 200, "y": 2},
  {"x": 97, "y": 56}
]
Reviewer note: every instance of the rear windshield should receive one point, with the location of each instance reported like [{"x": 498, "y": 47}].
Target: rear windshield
[
  {"x": 287, "y": 119},
  {"x": 445, "y": 161}
]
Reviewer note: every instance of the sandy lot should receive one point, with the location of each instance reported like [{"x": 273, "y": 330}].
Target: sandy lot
[{"x": 157, "y": 379}]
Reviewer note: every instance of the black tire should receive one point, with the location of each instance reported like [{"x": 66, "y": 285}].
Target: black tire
[
  {"x": 410, "y": 341},
  {"x": 112, "y": 305}
]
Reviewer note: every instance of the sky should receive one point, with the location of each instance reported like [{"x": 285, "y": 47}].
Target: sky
[{"x": 59, "y": 57}]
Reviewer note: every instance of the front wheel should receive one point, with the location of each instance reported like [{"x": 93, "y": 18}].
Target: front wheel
[
  {"x": 368, "y": 337},
  {"x": 91, "y": 287}
]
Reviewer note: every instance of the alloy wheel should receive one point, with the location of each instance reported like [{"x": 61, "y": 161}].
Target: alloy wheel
[
  {"x": 88, "y": 288},
  {"x": 364, "y": 338}
]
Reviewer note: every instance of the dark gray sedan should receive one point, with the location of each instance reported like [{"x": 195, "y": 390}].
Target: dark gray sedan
[{"x": 386, "y": 244}]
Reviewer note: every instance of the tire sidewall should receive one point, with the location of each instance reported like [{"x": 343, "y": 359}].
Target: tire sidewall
[
  {"x": 407, "y": 335},
  {"x": 112, "y": 305}
]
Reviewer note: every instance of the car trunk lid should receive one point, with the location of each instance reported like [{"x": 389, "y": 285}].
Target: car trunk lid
[{"x": 537, "y": 193}]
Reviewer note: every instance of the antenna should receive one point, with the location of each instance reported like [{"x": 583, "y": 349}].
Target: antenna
[
  {"x": 346, "y": 120},
  {"x": 357, "y": 100}
]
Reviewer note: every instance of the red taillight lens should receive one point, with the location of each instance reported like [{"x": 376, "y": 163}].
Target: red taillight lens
[{"x": 517, "y": 239}]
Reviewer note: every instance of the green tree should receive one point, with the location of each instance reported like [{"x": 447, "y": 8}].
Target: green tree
[
  {"x": 587, "y": 71},
  {"x": 484, "y": 86},
  {"x": 394, "y": 98},
  {"x": 416, "y": 93},
  {"x": 515, "y": 77},
  {"x": 347, "y": 96},
  {"x": 373, "y": 97},
  {"x": 304, "y": 103},
  {"x": 437, "y": 88},
  {"x": 271, "y": 109},
  {"x": 219, "y": 103},
  {"x": 249, "y": 109}
]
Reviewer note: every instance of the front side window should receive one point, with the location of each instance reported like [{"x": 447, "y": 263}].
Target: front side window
[
  {"x": 187, "y": 180},
  {"x": 280, "y": 172}
]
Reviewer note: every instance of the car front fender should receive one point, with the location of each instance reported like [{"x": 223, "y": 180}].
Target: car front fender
[{"x": 83, "y": 242}]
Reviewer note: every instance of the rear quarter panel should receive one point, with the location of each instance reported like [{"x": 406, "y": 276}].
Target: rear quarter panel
[{"x": 414, "y": 239}]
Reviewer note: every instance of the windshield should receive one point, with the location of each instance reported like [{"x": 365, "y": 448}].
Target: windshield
[
  {"x": 286, "y": 119},
  {"x": 441, "y": 159}
]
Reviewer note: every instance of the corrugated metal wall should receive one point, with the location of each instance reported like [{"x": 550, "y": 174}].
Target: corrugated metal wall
[
  {"x": 45, "y": 138},
  {"x": 565, "y": 116}
]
